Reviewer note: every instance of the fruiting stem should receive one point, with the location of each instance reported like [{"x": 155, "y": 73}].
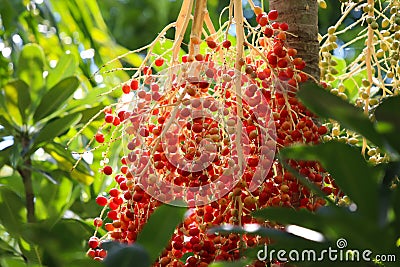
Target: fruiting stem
[
  {"x": 200, "y": 10},
  {"x": 26, "y": 175},
  {"x": 238, "y": 16},
  {"x": 368, "y": 64},
  {"x": 181, "y": 26}
]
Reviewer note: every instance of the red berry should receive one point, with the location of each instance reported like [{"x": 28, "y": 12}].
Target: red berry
[
  {"x": 99, "y": 137},
  {"x": 113, "y": 215},
  {"x": 101, "y": 201},
  {"x": 284, "y": 26},
  {"x": 109, "y": 118},
  {"x": 322, "y": 130},
  {"x": 91, "y": 253},
  {"x": 272, "y": 59},
  {"x": 292, "y": 52},
  {"x": 107, "y": 170},
  {"x": 275, "y": 25},
  {"x": 116, "y": 121},
  {"x": 102, "y": 253},
  {"x": 93, "y": 242},
  {"x": 226, "y": 44},
  {"x": 126, "y": 89},
  {"x": 272, "y": 14},
  {"x": 297, "y": 61},
  {"x": 194, "y": 231},
  {"x": 134, "y": 84},
  {"x": 211, "y": 44},
  {"x": 268, "y": 31},
  {"x": 98, "y": 222},
  {"x": 263, "y": 20},
  {"x": 147, "y": 70},
  {"x": 281, "y": 36},
  {"x": 282, "y": 63},
  {"x": 199, "y": 57},
  {"x": 114, "y": 192},
  {"x": 159, "y": 62},
  {"x": 121, "y": 115}
]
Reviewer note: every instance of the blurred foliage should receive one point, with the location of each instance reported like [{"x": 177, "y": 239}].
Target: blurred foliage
[
  {"x": 136, "y": 23},
  {"x": 49, "y": 52}
]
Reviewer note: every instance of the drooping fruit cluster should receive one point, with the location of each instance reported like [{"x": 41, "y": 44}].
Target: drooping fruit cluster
[{"x": 206, "y": 131}]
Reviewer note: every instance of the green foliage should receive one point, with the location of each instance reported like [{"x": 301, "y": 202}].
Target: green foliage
[
  {"x": 337, "y": 109},
  {"x": 171, "y": 216},
  {"x": 43, "y": 87},
  {"x": 55, "y": 98},
  {"x": 124, "y": 255}
]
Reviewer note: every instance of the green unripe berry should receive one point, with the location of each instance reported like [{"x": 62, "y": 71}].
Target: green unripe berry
[
  {"x": 370, "y": 19},
  {"x": 385, "y": 23},
  {"x": 374, "y": 25}
]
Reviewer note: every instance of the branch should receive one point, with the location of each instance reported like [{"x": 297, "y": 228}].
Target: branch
[{"x": 26, "y": 175}]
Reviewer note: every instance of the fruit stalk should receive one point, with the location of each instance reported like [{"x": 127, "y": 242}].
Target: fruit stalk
[
  {"x": 368, "y": 65},
  {"x": 180, "y": 28},
  {"x": 240, "y": 40},
  {"x": 200, "y": 10}
]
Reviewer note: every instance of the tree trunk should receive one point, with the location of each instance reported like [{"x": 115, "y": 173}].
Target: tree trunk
[{"x": 302, "y": 17}]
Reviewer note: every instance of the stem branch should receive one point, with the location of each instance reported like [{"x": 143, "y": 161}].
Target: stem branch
[{"x": 26, "y": 174}]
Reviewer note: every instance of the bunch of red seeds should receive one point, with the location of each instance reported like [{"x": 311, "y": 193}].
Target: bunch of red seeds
[{"x": 180, "y": 129}]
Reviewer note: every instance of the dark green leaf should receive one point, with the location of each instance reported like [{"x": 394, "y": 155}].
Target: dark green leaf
[
  {"x": 155, "y": 236},
  {"x": 334, "y": 222},
  {"x": 290, "y": 216},
  {"x": 12, "y": 262},
  {"x": 8, "y": 126},
  {"x": 17, "y": 100},
  {"x": 126, "y": 256},
  {"x": 6, "y": 248},
  {"x": 31, "y": 66},
  {"x": 12, "y": 211},
  {"x": 5, "y": 156},
  {"x": 396, "y": 207},
  {"x": 388, "y": 113},
  {"x": 86, "y": 263},
  {"x": 349, "y": 169},
  {"x": 326, "y": 105},
  {"x": 392, "y": 171},
  {"x": 66, "y": 67},
  {"x": 56, "y": 127},
  {"x": 56, "y": 97},
  {"x": 283, "y": 239}
]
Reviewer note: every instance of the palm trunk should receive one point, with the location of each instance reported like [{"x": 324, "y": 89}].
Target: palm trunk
[{"x": 302, "y": 17}]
